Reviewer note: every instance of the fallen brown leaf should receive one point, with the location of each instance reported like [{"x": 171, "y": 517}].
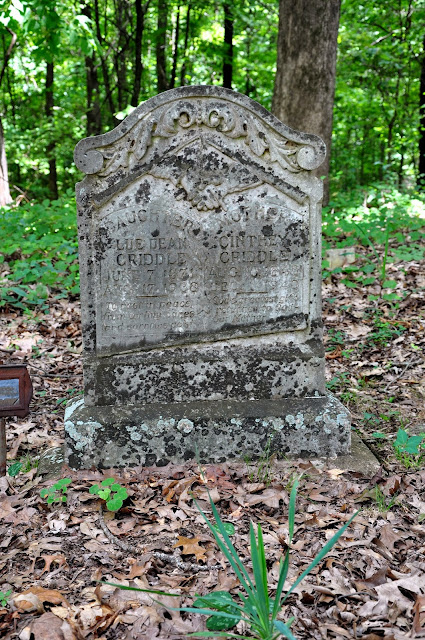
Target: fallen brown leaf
[{"x": 191, "y": 546}]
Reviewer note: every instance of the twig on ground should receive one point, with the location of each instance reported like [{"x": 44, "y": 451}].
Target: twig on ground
[
  {"x": 164, "y": 557},
  {"x": 400, "y": 375}
]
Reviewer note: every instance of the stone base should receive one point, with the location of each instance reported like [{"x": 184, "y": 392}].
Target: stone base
[{"x": 213, "y": 431}]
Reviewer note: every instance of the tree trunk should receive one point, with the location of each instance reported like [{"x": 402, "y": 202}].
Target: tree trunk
[
  {"x": 176, "y": 50},
  {"x": 306, "y": 63},
  {"x": 119, "y": 55},
  {"x": 228, "y": 47},
  {"x": 105, "y": 72},
  {"x": 5, "y": 197},
  {"x": 186, "y": 42},
  {"x": 93, "y": 114},
  {"x": 50, "y": 149},
  {"x": 138, "y": 64},
  {"x": 421, "y": 168},
  {"x": 161, "y": 45}
]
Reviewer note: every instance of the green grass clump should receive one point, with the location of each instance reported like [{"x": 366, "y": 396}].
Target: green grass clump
[{"x": 253, "y": 604}]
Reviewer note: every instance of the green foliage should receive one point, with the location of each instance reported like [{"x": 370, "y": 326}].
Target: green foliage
[
  {"x": 376, "y": 102},
  {"x": 383, "y": 503},
  {"x": 409, "y": 450},
  {"x": 253, "y": 604},
  {"x": 261, "y": 469},
  {"x": 23, "y": 465},
  {"x": 4, "y": 597},
  {"x": 14, "y": 469},
  {"x": 230, "y": 528},
  {"x": 381, "y": 216},
  {"x": 384, "y": 332},
  {"x": 39, "y": 254},
  {"x": 110, "y": 491},
  {"x": 57, "y": 492},
  {"x": 377, "y": 86},
  {"x": 339, "y": 382}
]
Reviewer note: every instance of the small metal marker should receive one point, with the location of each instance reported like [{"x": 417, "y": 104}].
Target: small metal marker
[{"x": 15, "y": 396}]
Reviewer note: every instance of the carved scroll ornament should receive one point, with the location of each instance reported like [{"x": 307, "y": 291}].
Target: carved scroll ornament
[{"x": 294, "y": 151}]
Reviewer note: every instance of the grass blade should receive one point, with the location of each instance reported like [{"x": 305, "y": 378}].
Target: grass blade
[
  {"x": 284, "y": 629},
  {"x": 291, "y": 511},
  {"x": 322, "y": 553},
  {"x": 213, "y": 634},
  {"x": 284, "y": 568},
  {"x": 262, "y": 599},
  {"x": 227, "y": 548},
  {"x": 283, "y": 572},
  {"x": 263, "y": 564}
]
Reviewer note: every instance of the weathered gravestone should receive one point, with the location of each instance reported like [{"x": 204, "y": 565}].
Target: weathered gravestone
[{"x": 199, "y": 231}]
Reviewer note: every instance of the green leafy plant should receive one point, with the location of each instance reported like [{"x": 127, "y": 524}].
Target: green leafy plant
[
  {"x": 57, "y": 492},
  {"x": 253, "y": 604},
  {"x": 110, "y": 491},
  {"x": 39, "y": 254},
  {"x": 339, "y": 382},
  {"x": 14, "y": 469},
  {"x": 4, "y": 597},
  {"x": 408, "y": 449},
  {"x": 23, "y": 465},
  {"x": 384, "y": 332},
  {"x": 408, "y": 444}
]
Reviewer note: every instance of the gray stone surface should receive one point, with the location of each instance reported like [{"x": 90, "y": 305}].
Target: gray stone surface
[
  {"x": 51, "y": 462},
  {"x": 360, "y": 459},
  {"x": 212, "y": 431},
  {"x": 199, "y": 230}
]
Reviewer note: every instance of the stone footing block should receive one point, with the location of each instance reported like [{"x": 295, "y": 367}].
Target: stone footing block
[{"x": 156, "y": 434}]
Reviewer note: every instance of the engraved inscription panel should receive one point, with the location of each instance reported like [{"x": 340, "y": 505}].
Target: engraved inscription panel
[{"x": 173, "y": 269}]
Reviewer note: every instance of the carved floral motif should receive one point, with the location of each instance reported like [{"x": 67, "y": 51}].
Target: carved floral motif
[{"x": 220, "y": 115}]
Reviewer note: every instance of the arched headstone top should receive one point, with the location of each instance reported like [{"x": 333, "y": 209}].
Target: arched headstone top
[{"x": 187, "y": 109}]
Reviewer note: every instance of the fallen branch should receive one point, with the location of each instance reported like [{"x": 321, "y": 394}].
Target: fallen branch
[{"x": 164, "y": 557}]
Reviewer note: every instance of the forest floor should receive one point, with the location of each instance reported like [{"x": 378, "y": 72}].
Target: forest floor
[{"x": 372, "y": 583}]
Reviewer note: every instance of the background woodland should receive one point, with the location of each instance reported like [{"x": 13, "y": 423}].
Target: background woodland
[{"x": 71, "y": 69}]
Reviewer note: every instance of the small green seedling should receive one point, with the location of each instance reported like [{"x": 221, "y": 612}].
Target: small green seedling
[
  {"x": 408, "y": 449},
  {"x": 4, "y": 597},
  {"x": 57, "y": 492},
  {"x": 408, "y": 444},
  {"x": 383, "y": 503},
  {"x": 14, "y": 469},
  {"x": 110, "y": 491}
]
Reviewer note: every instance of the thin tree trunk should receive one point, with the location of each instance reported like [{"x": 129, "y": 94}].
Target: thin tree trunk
[
  {"x": 105, "y": 72},
  {"x": 5, "y": 197},
  {"x": 94, "y": 116},
  {"x": 138, "y": 64},
  {"x": 176, "y": 50},
  {"x": 120, "y": 60},
  {"x": 228, "y": 47},
  {"x": 93, "y": 113},
  {"x": 421, "y": 166},
  {"x": 248, "y": 59},
  {"x": 306, "y": 63},
  {"x": 161, "y": 44},
  {"x": 186, "y": 42},
  {"x": 50, "y": 149}
]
